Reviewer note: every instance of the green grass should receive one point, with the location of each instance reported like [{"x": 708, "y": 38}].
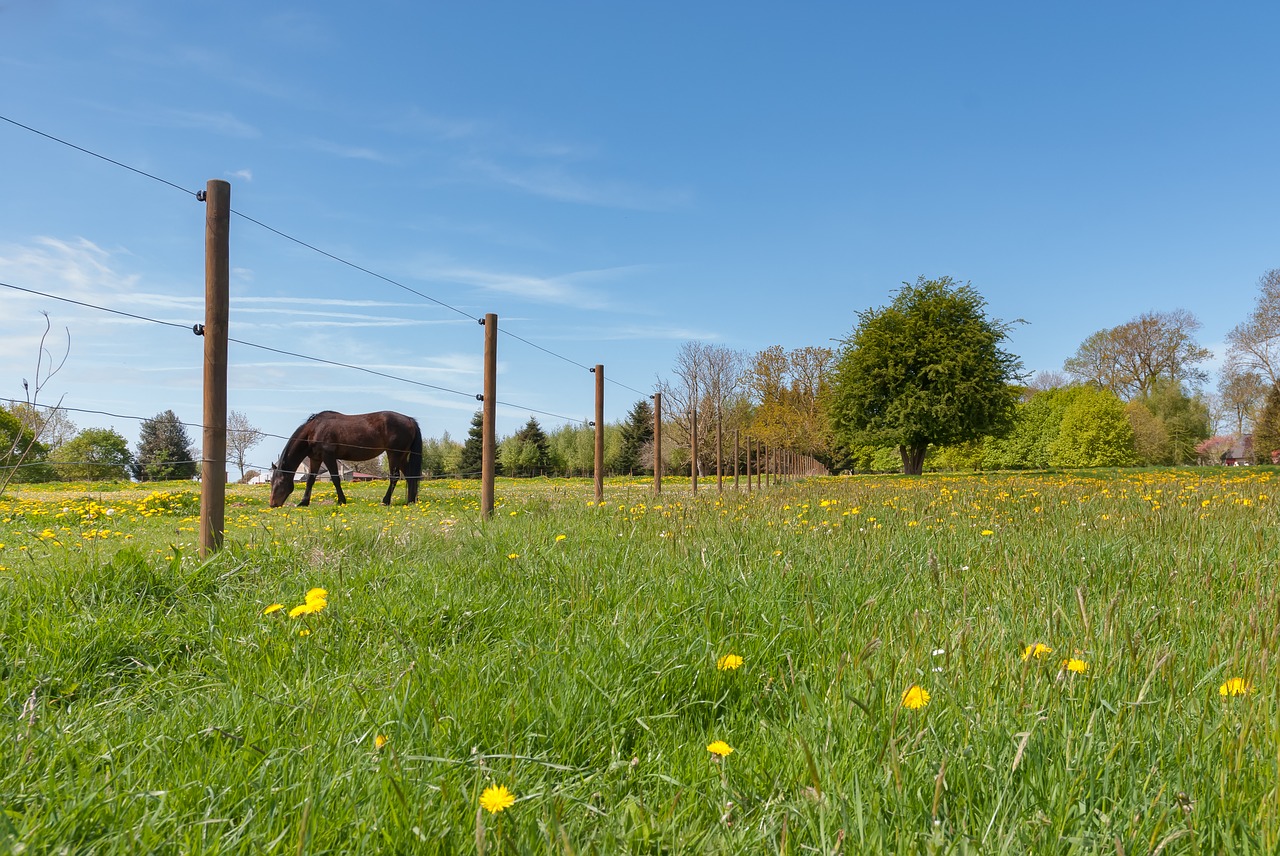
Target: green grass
[{"x": 150, "y": 705}]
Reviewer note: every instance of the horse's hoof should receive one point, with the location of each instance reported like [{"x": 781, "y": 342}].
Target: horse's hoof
[{"x": 304, "y": 503}]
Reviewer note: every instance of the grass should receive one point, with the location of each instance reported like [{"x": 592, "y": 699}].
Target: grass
[{"x": 150, "y": 705}]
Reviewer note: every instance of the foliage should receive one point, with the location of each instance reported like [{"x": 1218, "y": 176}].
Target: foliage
[
  {"x": 471, "y": 461},
  {"x": 707, "y": 390},
  {"x": 22, "y": 458},
  {"x": 1185, "y": 418},
  {"x": 1130, "y": 359},
  {"x": 527, "y": 452},
  {"x": 50, "y": 425},
  {"x": 164, "y": 450},
  {"x": 1266, "y": 434},
  {"x": 1241, "y": 393},
  {"x": 637, "y": 434},
  {"x": 792, "y": 391},
  {"x": 927, "y": 369},
  {"x": 1151, "y": 442},
  {"x": 441, "y": 456},
  {"x": 95, "y": 454},
  {"x": 543, "y": 654},
  {"x": 1094, "y": 432}
]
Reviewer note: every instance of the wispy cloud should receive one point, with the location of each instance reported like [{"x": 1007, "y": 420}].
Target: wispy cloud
[
  {"x": 223, "y": 124},
  {"x": 581, "y": 289},
  {"x": 245, "y": 175},
  {"x": 554, "y": 182},
  {"x": 349, "y": 152},
  {"x": 75, "y": 268}
]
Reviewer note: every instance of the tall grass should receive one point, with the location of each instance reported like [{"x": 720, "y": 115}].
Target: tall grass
[{"x": 569, "y": 651}]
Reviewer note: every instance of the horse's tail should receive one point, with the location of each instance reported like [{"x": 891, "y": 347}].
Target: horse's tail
[{"x": 413, "y": 470}]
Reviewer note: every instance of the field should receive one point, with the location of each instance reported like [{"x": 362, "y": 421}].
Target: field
[{"x": 1046, "y": 663}]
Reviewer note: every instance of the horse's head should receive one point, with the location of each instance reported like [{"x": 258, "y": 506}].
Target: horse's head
[{"x": 281, "y": 485}]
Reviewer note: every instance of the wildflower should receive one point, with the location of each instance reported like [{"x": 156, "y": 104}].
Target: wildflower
[
  {"x": 317, "y": 594},
  {"x": 1235, "y": 687},
  {"x": 304, "y": 632},
  {"x": 987, "y": 532},
  {"x": 1037, "y": 650},
  {"x": 513, "y": 555},
  {"x": 379, "y": 741},
  {"x": 560, "y": 538},
  {"x": 302, "y": 609},
  {"x": 719, "y": 748},
  {"x": 275, "y": 607},
  {"x": 915, "y": 698},
  {"x": 496, "y": 798},
  {"x": 728, "y": 662},
  {"x": 1075, "y": 664}
]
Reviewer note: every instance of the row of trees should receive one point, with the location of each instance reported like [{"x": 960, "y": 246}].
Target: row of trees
[{"x": 42, "y": 444}]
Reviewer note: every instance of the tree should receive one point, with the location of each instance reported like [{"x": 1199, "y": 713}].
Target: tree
[
  {"x": 637, "y": 434},
  {"x": 1254, "y": 345},
  {"x": 1241, "y": 393},
  {"x": 1094, "y": 432},
  {"x": 472, "y": 459},
  {"x": 95, "y": 454},
  {"x": 441, "y": 456},
  {"x": 164, "y": 449},
  {"x": 1131, "y": 358},
  {"x": 1185, "y": 419},
  {"x": 23, "y": 458},
  {"x": 1266, "y": 434},
  {"x": 708, "y": 379},
  {"x": 791, "y": 390},
  {"x": 50, "y": 425},
  {"x": 526, "y": 453},
  {"x": 241, "y": 437},
  {"x": 928, "y": 368},
  {"x": 1151, "y": 443}
]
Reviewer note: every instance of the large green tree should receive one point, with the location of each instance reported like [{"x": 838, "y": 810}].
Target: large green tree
[
  {"x": 22, "y": 457},
  {"x": 1094, "y": 431},
  {"x": 95, "y": 454},
  {"x": 527, "y": 452},
  {"x": 164, "y": 449},
  {"x": 1266, "y": 434},
  {"x": 636, "y": 432},
  {"x": 927, "y": 368}
]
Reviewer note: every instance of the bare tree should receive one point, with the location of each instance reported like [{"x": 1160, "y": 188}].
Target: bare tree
[
  {"x": 705, "y": 391},
  {"x": 24, "y": 445},
  {"x": 1241, "y": 394},
  {"x": 241, "y": 437},
  {"x": 790, "y": 391},
  {"x": 1254, "y": 345}
]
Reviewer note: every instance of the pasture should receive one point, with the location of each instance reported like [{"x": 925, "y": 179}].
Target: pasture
[{"x": 1047, "y": 663}]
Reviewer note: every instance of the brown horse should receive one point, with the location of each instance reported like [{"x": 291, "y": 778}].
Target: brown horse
[{"x": 327, "y": 436}]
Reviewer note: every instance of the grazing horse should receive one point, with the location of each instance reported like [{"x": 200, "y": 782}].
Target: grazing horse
[{"x": 327, "y": 436}]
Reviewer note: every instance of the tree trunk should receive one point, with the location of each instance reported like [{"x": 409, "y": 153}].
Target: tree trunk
[{"x": 913, "y": 459}]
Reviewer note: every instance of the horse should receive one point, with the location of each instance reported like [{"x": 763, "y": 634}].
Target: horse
[{"x": 327, "y": 436}]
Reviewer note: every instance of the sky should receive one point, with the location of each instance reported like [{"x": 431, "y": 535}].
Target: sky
[{"x": 611, "y": 180}]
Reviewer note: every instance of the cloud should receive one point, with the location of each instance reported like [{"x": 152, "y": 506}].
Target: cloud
[
  {"x": 554, "y": 182},
  {"x": 349, "y": 152},
  {"x": 75, "y": 268},
  {"x": 244, "y": 174},
  {"x": 579, "y": 289}
]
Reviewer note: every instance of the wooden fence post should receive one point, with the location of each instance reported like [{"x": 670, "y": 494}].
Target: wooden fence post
[
  {"x": 737, "y": 451},
  {"x": 693, "y": 439},
  {"x": 599, "y": 460},
  {"x": 488, "y": 420},
  {"x": 657, "y": 444},
  {"x": 217, "y": 275}
]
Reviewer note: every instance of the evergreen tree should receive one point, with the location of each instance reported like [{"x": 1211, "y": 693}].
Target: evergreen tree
[
  {"x": 530, "y": 452},
  {"x": 164, "y": 449},
  {"x": 469, "y": 465},
  {"x": 1266, "y": 434},
  {"x": 636, "y": 432}
]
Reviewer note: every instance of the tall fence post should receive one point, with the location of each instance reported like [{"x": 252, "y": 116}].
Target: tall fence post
[
  {"x": 751, "y": 443},
  {"x": 736, "y": 458},
  {"x": 217, "y": 275},
  {"x": 693, "y": 439},
  {"x": 657, "y": 444},
  {"x": 488, "y": 438},
  {"x": 599, "y": 461}
]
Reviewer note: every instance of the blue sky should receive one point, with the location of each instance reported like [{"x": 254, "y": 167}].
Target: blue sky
[{"x": 611, "y": 180}]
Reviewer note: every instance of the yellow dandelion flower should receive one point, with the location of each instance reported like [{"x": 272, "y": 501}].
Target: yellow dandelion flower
[
  {"x": 915, "y": 698},
  {"x": 1037, "y": 650},
  {"x": 560, "y": 538},
  {"x": 987, "y": 532},
  {"x": 317, "y": 594},
  {"x": 728, "y": 662},
  {"x": 275, "y": 607},
  {"x": 302, "y": 609},
  {"x": 1235, "y": 687},
  {"x": 513, "y": 555},
  {"x": 1075, "y": 664},
  {"x": 719, "y": 748},
  {"x": 379, "y": 741},
  {"x": 496, "y": 798},
  {"x": 304, "y": 632}
]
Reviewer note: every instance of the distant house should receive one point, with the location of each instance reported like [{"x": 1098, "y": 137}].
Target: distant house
[{"x": 1241, "y": 452}]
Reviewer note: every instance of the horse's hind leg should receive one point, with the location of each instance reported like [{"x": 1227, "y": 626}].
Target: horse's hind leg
[
  {"x": 335, "y": 475},
  {"x": 391, "y": 488}
]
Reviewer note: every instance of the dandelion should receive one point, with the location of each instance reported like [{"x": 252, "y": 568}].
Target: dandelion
[
  {"x": 1038, "y": 650},
  {"x": 317, "y": 594},
  {"x": 496, "y": 798},
  {"x": 275, "y": 607},
  {"x": 560, "y": 538},
  {"x": 719, "y": 748},
  {"x": 1075, "y": 664},
  {"x": 1235, "y": 687},
  {"x": 379, "y": 741},
  {"x": 986, "y": 532},
  {"x": 304, "y": 632},
  {"x": 513, "y": 555},
  {"x": 728, "y": 662},
  {"x": 302, "y": 609},
  {"x": 915, "y": 698}
]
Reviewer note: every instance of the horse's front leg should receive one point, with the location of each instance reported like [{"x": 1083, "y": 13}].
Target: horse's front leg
[
  {"x": 335, "y": 475},
  {"x": 311, "y": 481}
]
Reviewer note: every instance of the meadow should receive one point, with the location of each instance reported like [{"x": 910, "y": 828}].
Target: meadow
[{"x": 1041, "y": 663}]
